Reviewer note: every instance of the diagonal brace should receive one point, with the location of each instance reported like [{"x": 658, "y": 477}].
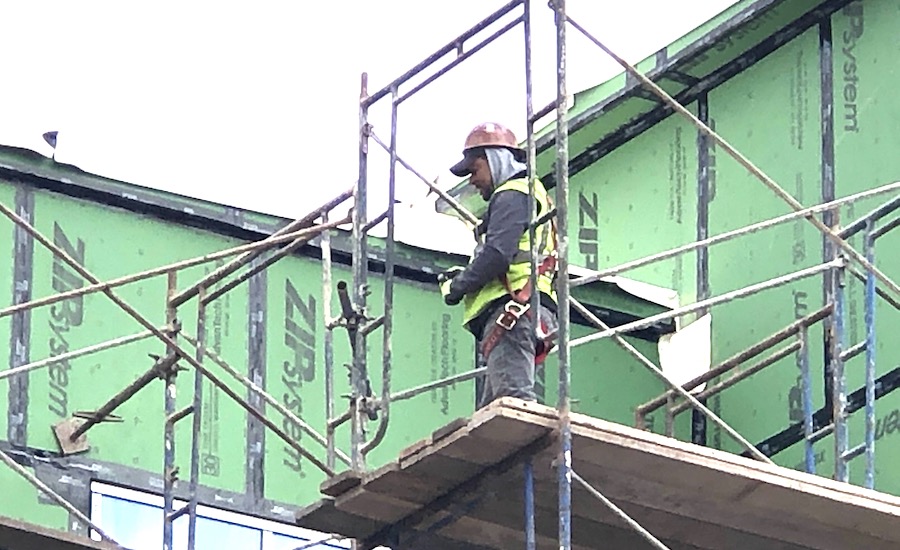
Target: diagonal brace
[
  {"x": 44, "y": 488},
  {"x": 675, "y": 387},
  {"x": 170, "y": 343},
  {"x": 743, "y": 161}
]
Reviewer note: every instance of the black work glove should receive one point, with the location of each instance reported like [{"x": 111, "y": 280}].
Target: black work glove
[{"x": 451, "y": 296}]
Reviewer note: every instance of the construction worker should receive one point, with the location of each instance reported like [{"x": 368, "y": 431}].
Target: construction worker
[{"x": 495, "y": 287}]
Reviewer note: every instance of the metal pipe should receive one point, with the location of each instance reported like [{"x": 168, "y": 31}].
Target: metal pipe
[
  {"x": 375, "y": 221},
  {"x": 821, "y": 433},
  {"x": 450, "y": 380},
  {"x": 274, "y": 403},
  {"x": 668, "y": 381},
  {"x": 76, "y": 353},
  {"x": 137, "y": 385},
  {"x": 372, "y": 326},
  {"x": 839, "y": 382},
  {"x": 262, "y": 418},
  {"x": 530, "y": 540},
  {"x": 430, "y": 60},
  {"x": 358, "y": 373},
  {"x": 134, "y": 314},
  {"x": 206, "y": 258},
  {"x": 337, "y": 421},
  {"x": 543, "y": 111},
  {"x": 244, "y": 259},
  {"x": 716, "y": 300},
  {"x": 881, "y": 293},
  {"x": 885, "y": 229},
  {"x": 564, "y": 404},
  {"x": 853, "y": 351},
  {"x": 854, "y": 452},
  {"x": 742, "y": 160},
  {"x": 329, "y": 343},
  {"x": 531, "y": 168},
  {"x": 728, "y": 235},
  {"x": 314, "y": 543},
  {"x": 869, "y": 251},
  {"x": 621, "y": 514},
  {"x": 806, "y": 389},
  {"x": 699, "y": 430},
  {"x": 786, "y": 351},
  {"x": 742, "y": 356},
  {"x": 44, "y": 488},
  {"x": 468, "y": 216},
  {"x": 545, "y": 218},
  {"x": 266, "y": 263},
  {"x": 831, "y": 218},
  {"x": 388, "y": 315},
  {"x": 169, "y": 470},
  {"x": 347, "y": 310},
  {"x": 197, "y": 425},
  {"x": 670, "y": 420},
  {"x": 873, "y": 216},
  {"x": 182, "y": 413},
  {"x": 459, "y": 59}
]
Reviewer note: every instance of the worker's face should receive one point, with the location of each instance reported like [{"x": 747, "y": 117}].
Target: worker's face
[{"x": 480, "y": 176}]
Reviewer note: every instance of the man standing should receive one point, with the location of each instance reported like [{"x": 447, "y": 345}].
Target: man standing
[{"x": 495, "y": 287}]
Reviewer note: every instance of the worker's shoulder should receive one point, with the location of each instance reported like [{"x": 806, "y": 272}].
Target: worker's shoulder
[
  {"x": 508, "y": 195},
  {"x": 520, "y": 184}
]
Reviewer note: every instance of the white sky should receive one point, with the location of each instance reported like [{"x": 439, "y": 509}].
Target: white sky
[{"x": 257, "y": 106}]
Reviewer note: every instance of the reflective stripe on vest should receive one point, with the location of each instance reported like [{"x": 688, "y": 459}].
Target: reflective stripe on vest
[{"x": 520, "y": 268}]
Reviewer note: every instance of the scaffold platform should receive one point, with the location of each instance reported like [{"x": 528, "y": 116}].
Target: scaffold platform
[{"x": 464, "y": 487}]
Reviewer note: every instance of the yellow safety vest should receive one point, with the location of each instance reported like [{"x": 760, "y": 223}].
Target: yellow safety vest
[{"x": 520, "y": 268}]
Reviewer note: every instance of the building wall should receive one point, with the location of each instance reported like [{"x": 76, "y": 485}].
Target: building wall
[
  {"x": 865, "y": 127},
  {"x": 271, "y": 329},
  {"x": 770, "y": 112},
  {"x": 284, "y": 304},
  {"x": 775, "y": 113}
]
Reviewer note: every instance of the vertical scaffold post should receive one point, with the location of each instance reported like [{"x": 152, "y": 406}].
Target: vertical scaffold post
[
  {"x": 530, "y": 540},
  {"x": 869, "y": 251},
  {"x": 197, "y": 420},
  {"x": 169, "y": 471},
  {"x": 329, "y": 344},
  {"x": 358, "y": 374},
  {"x": 806, "y": 388},
  {"x": 564, "y": 460},
  {"x": 531, "y": 162},
  {"x": 387, "y": 316},
  {"x": 839, "y": 380}
]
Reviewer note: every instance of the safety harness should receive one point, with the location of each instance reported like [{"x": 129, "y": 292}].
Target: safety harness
[{"x": 520, "y": 304}]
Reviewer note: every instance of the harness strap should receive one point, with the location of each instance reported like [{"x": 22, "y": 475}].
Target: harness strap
[
  {"x": 514, "y": 309},
  {"x": 519, "y": 300},
  {"x": 507, "y": 319}
]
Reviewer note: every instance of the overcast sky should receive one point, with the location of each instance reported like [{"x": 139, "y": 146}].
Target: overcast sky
[{"x": 256, "y": 106}]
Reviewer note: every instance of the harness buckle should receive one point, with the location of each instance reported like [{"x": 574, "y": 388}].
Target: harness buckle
[{"x": 512, "y": 311}]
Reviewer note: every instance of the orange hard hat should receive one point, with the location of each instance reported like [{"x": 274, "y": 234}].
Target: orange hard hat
[{"x": 487, "y": 134}]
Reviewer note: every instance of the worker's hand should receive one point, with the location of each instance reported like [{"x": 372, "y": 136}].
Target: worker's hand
[
  {"x": 450, "y": 274},
  {"x": 451, "y": 296}
]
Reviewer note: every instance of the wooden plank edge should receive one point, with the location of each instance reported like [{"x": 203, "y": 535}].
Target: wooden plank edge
[{"x": 597, "y": 429}]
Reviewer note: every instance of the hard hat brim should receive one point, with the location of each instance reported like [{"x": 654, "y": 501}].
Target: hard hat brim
[{"x": 461, "y": 168}]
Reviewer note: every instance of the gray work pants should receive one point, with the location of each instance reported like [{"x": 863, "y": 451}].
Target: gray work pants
[{"x": 510, "y": 365}]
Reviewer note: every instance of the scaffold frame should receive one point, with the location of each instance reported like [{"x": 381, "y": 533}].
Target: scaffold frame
[{"x": 365, "y": 407}]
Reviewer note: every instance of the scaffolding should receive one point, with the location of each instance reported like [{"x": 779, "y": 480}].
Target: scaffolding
[{"x": 366, "y": 408}]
